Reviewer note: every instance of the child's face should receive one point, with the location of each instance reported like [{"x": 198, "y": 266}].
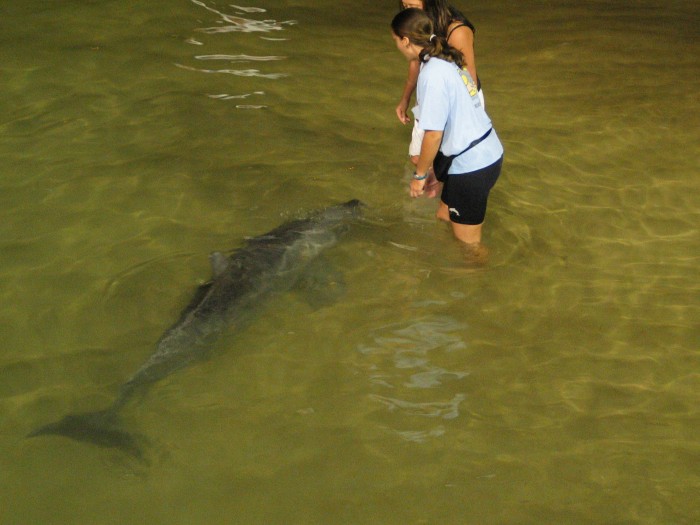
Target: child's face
[
  {"x": 412, "y": 3},
  {"x": 402, "y": 45}
]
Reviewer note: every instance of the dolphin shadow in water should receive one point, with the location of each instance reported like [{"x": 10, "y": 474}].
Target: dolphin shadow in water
[{"x": 265, "y": 265}]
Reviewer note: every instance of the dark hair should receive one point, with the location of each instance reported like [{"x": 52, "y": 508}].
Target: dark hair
[
  {"x": 442, "y": 14},
  {"x": 416, "y": 25}
]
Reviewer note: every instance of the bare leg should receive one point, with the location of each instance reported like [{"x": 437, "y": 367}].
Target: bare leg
[
  {"x": 468, "y": 234},
  {"x": 475, "y": 253},
  {"x": 443, "y": 213}
]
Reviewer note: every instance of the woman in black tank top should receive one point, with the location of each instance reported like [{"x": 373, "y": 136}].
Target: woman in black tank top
[{"x": 457, "y": 29}]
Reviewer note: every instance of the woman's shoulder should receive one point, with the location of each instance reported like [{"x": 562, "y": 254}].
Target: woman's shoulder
[
  {"x": 458, "y": 19},
  {"x": 459, "y": 25}
]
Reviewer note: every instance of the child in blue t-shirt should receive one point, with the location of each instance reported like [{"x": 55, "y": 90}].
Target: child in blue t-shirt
[{"x": 457, "y": 128}]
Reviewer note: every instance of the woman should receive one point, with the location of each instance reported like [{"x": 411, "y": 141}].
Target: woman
[
  {"x": 455, "y": 125},
  {"x": 459, "y": 32}
]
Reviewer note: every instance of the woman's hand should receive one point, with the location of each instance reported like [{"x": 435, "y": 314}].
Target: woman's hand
[
  {"x": 401, "y": 112},
  {"x": 432, "y": 185},
  {"x": 408, "y": 89}
]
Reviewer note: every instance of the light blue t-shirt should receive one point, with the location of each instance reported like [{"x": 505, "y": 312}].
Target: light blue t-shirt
[{"x": 448, "y": 101}]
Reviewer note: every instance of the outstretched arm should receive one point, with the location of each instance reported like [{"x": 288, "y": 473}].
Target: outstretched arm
[{"x": 409, "y": 88}]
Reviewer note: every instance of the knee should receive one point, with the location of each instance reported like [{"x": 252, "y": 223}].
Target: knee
[{"x": 442, "y": 213}]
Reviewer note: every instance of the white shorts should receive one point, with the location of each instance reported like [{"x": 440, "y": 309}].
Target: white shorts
[{"x": 416, "y": 140}]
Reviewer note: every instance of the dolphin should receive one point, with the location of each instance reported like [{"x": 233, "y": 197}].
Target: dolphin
[{"x": 263, "y": 266}]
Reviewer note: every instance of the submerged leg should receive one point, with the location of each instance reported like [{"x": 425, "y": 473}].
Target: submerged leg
[{"x": 475, "y": 253}]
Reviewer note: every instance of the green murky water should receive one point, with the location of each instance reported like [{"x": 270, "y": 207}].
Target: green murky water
[{"x": 560, "y": 384}]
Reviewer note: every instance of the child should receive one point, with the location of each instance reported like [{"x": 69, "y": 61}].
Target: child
[
  {"x": 457, "y": 129},
  {"x": 459, "y": 33}
]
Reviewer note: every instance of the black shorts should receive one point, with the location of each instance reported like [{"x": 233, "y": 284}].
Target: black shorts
[{"x": 466, "y": 194}]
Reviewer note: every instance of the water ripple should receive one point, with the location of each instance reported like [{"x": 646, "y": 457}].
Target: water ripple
[
  {"x": 248, "y": 9},
  {"x": 226, "y": 96},
  {"x": 415, "y": 363},
  {"x": 421, "y": 436},
  {"x": 238, "y": 58},
  {"x": 236, "y": 72},
  {"x": 240, "y": 24},
  {"x": 442, "y": 409},
  {"x": 235, "y": 23}
]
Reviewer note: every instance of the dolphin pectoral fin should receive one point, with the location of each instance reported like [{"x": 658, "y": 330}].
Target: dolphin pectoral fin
[
  {"x": 199, "y": 295},
  {"x": 219, "y": 263},
  {"x": 99, "y": 428},
  {"x": 321, "y": 285}
]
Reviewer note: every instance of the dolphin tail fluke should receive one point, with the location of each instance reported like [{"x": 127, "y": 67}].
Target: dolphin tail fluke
[{"x": 99, "y": 428}]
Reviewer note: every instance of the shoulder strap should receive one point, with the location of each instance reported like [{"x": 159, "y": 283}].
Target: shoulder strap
[
  {"x": 461, "y": 24},
  {"x": 474, "y": 143}
]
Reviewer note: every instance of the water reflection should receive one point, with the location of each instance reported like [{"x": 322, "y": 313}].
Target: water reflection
[
  {"x": 225, "y": 96},
  {"x": 238, "y": 58},
  {"x": 421, "y": 436},
  {"x": 239, "y": 24},
  {"x": 442, "y": 409},
  {"x": 236, "y": 72},
  {"x": 412, "y": 363},
  {"x": 230, "y": 23}
]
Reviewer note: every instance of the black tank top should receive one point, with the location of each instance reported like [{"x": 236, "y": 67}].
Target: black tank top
[{"x": 462, "y": 23}]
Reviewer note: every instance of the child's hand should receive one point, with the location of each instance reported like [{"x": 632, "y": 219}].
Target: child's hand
[{"x": 417, "y": 187}]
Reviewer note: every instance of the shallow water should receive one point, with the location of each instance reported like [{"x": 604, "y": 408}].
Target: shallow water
[{"x": 559, "y": 384}]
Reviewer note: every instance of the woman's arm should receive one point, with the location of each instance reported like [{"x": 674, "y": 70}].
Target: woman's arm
[
  {"x": 428, "y": 150},
  {"x": 462, "y": 39},
  {"x": 409, "y": 88}
]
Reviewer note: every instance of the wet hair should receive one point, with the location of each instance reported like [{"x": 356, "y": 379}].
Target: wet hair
[{"x": 416, "y": 25}]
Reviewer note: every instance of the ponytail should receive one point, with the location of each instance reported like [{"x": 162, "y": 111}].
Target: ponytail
[
  {"x": 415, "y": 25},
  {"x": 438, "y": 47}
]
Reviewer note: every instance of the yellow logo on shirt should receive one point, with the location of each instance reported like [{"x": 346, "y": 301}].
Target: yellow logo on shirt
[{"x": 468, "y": 81}]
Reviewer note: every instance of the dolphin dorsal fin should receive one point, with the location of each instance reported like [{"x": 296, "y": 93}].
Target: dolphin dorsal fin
[{"x": 219, "y": 263}]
